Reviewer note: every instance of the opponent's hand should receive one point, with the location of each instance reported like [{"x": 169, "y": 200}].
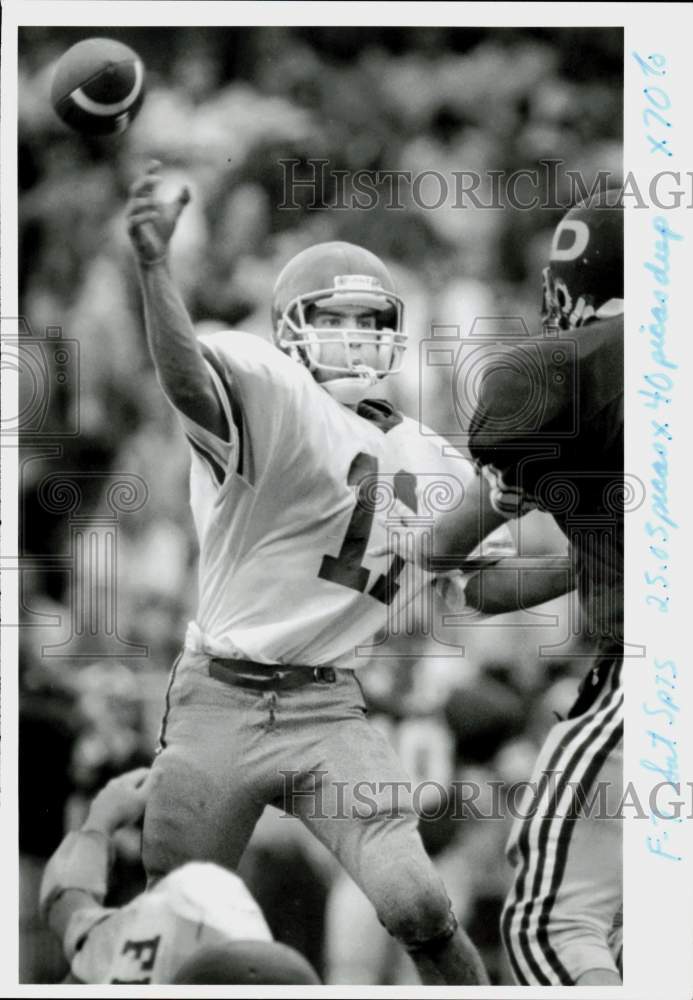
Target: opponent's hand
[
  {"x": 119, "y": 803},
  {"x": 151, "y": 222}
]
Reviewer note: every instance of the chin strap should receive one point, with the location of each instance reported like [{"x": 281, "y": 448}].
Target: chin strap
[{"x": 351, "y": 390}]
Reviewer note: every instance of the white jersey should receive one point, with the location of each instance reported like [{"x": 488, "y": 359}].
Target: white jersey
[
  {"x": 287, "y": 508},
  {"x": 197, "y": 906}
]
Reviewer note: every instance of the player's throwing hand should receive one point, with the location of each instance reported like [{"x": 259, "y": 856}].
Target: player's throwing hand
[{"x": 151, "y": 222}]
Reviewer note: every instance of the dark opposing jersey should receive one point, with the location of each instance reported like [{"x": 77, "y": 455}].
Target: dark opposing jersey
[{"x": 548, "y": 431}]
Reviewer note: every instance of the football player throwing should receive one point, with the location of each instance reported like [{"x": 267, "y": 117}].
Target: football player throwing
[{"x": 290, "y": 446}]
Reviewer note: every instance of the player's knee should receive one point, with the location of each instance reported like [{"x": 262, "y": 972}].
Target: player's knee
[{"x": 418, "y": 914}]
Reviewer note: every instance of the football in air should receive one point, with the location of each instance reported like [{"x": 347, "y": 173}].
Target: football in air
[{"x": 98, "y": 86}]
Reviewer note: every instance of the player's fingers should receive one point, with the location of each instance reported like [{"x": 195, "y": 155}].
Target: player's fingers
[
  {"x": 137, "y": 218},
  {"x": 144, "y": 202},
  {"x": 451, "y": 590},
  {"x": 144, "y": 184}
]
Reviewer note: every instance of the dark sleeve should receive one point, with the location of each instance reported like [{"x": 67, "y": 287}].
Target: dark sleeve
[
  {"x": 521, "y": 415},
  {"x": 542, "y": 408}
]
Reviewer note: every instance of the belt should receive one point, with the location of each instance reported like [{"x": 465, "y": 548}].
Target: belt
[{"x": 264, "y": 677}]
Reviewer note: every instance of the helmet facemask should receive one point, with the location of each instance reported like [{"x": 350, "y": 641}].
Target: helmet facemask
[
  {"x": 297, "y": 336},
  {"x": 560, "y": 312},
  {"x": 552, "y": 316}
]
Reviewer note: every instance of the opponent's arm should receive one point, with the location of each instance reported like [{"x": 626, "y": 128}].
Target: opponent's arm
[
  {"x": 516, "y": 583},
  {"x": 455, "y": 534},
  {"x": 76, "y": 876},
  {"x": 179, "y": 363},
  {"x": 458, "y": 532}
]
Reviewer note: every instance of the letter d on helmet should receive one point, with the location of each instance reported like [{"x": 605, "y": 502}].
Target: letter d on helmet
[{"x": 584, "y": 279}]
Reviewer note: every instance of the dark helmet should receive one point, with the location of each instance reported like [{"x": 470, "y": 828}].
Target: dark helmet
[
  {"x": 584, "y": 279},
  {"x": 248, "y": 963}
]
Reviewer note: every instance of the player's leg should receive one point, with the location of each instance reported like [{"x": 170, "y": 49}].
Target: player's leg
[
  {"x": 567, "y": 854},
  {"x": 355, "y": 797},
  {"x": 203, "y": 803},
  {"x": 384, "y": 855}
]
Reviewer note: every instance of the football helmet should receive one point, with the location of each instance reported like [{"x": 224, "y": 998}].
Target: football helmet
[
  {"x": 327, "y": 276},
  {"x": 584, "y": 279},
  {"x": 248, "y": 963}
]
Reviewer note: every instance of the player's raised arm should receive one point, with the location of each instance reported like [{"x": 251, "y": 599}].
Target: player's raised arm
[
  {"x": 75, "y": 880},
  {"x": 180, "y": 366}
]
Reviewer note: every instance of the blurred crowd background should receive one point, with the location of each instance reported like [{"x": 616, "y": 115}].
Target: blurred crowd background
[{"x": 223, "y": 108}]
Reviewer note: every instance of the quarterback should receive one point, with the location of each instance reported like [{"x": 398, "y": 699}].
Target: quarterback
[{"x": 289, "y": 444}]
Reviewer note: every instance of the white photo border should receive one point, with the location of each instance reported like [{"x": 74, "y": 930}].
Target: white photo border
[{"x": 658, "y": 932}]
